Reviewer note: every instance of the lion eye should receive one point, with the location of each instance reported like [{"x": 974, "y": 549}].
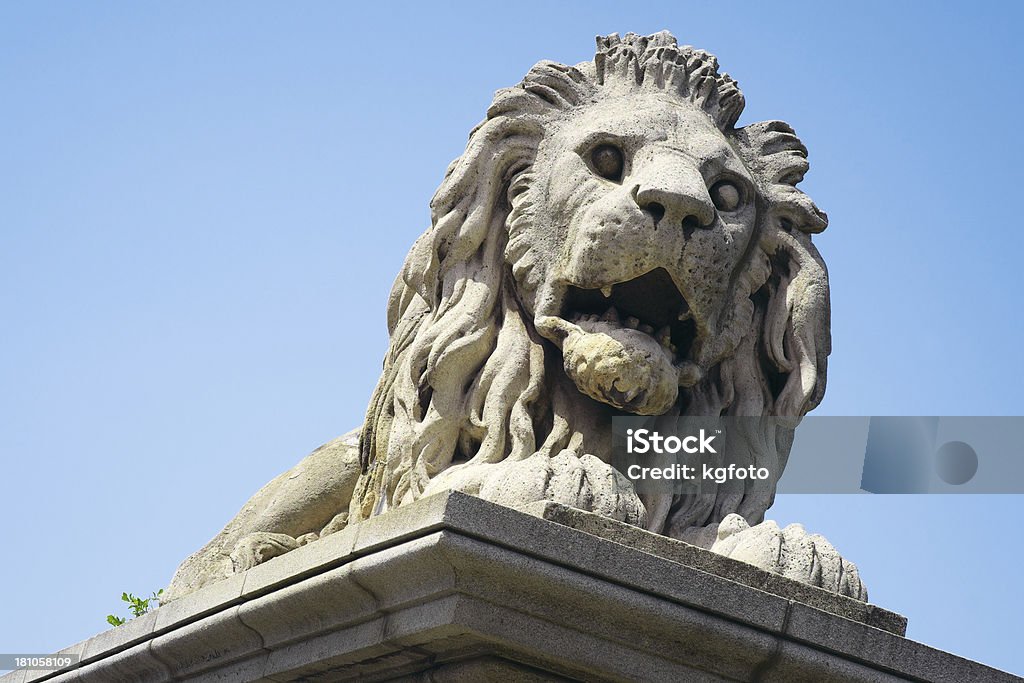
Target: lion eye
[
  {"x": 725, "y": 195},
  {"x": 607, "y": 162}
]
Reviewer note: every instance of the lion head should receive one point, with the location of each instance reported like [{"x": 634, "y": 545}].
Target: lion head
[{"x": 610, "y": 243}]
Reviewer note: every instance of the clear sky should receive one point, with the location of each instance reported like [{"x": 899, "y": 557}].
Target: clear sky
[{"x": 203, "y": 206}]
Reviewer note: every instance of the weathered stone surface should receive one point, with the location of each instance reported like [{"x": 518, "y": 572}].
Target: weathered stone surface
[
  {"x": 482, "y": 669},
  {"x": 455, "y": 588},
  {"x": 609, "y": 244},
  {"x": 715, "y": 563}
]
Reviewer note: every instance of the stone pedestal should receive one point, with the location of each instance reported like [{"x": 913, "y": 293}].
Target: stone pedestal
[{"x": 453, "y": 588}]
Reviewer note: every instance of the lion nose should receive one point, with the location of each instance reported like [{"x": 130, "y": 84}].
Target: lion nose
[{"x": 677, "y": 197}]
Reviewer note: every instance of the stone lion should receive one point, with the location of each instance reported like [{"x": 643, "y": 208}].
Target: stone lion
[{"x": 610, "y": 243}]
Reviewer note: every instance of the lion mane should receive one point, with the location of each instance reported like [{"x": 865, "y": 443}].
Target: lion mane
[{"x": 467, "y": 380}]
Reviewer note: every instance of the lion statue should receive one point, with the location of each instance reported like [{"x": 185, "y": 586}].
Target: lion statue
[{"x": 609, "y": 244}]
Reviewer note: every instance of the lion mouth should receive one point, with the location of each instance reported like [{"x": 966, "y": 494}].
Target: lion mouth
[
  {"x": 628, "y": 344},
  {"x": 651, "y": 304}
]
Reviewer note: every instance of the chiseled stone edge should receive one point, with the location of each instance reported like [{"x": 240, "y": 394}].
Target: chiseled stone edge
[
  {"x": 150, "y": 647},
  {"x": 448, "y": 583},
  {"x": 740, "y": 572}
]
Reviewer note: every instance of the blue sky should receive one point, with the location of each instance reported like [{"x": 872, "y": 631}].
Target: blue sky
[{"x": 203, "y": 206}]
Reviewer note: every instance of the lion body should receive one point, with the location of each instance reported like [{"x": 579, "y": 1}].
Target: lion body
[{"x": 609, "y": 244}]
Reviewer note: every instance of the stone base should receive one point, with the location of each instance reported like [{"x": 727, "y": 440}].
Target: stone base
[{"x": 453, "y": 588}]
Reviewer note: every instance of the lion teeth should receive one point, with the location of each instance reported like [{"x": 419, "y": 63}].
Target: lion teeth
[
  {"x": 607, "y": 291},
  {"x": 632, "y": 322},
  {"x": 664, "y": 336},
  {"x": 646, "y": 329},
  {"x": 611, "y": 315}
]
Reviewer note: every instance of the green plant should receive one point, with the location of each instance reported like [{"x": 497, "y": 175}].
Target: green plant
[{"x": 137, "y": 606}]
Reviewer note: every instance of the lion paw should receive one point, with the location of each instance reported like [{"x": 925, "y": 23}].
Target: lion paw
[
  {"x": 791, "y": 552},
  {"x": 259, "y": 547},
  {"x": 586, "y": 483}
]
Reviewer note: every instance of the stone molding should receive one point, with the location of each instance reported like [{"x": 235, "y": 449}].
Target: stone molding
[{"x": 455, "y": 588}]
